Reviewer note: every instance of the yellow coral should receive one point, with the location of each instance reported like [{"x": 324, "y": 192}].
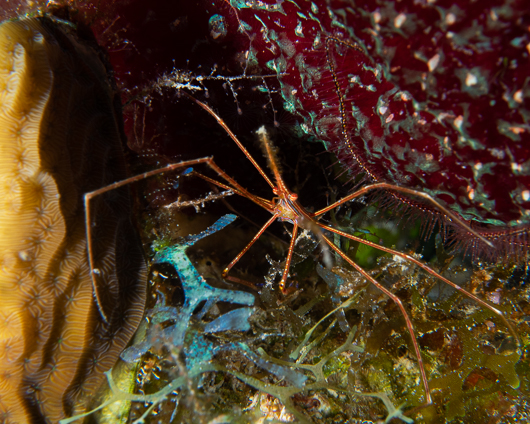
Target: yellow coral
[{"x": 56, "y": 133}]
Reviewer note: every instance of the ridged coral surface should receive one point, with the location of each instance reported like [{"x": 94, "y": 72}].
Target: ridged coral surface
[{"x": 60, "y": 137}]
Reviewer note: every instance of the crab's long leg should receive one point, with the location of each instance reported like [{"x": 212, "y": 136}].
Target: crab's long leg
[
  {"x": 429, "y": 270},
  {"x": 260, "y": 201},
  {"x": 289, "y": 258},
  {"x": 398, "y": 302},
  {"x": 94, "y": 272},
  {"x": 425, "y": 196},
  {"x": 88, "y": 218},
  {"x": 248, "y": 246}
]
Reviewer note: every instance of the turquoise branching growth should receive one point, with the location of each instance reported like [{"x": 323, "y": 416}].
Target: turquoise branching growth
[
  {"x": 191, "y": 346},
  {"x": 196, "y": 291},
  {"x": 199, "y": 351}
]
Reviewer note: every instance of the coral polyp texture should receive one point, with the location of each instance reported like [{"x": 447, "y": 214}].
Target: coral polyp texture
[
  {"x": 427, "y": 95},
  {"x": 60, "y": 137}
]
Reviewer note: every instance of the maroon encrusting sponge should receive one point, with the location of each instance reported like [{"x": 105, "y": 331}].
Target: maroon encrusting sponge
[{"x": 429, "y": 96}]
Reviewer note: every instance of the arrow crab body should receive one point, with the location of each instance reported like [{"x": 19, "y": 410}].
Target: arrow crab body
[{"x": 285, "y": 206}]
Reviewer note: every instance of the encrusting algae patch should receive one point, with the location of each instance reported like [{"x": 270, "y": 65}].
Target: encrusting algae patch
[{"x": 61, "y": 135}]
